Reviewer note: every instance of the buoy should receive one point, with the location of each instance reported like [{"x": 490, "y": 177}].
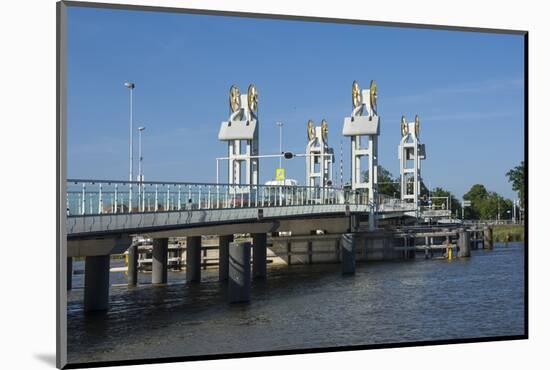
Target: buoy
[{"x": 450, "y": 252}]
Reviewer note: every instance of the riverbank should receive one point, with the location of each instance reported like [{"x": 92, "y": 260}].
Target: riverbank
[{"x": 503, "y": 233}]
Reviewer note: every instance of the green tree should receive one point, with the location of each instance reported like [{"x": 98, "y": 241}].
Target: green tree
[
  {"x": 476, "y": 195},
  {"x": 387, "y": 184},
  {"x": 517, "y": 177},
  {"x": 486, "y": 205}
]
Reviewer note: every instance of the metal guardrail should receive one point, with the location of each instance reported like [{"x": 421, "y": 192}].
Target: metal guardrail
[
  {"x": 92, "y": 197},
  {"x": 492, "y": 222}
]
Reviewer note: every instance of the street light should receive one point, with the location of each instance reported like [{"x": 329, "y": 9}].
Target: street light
[
  {"x": 280, "y": 124},
  {"x": 140, "y": 170},
  {"x": 131, "y": 86}
]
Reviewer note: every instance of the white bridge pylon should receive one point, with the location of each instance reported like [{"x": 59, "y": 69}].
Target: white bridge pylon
[
  {"x": 242, "y": 129},
  {"x": 411, "y": 153},
  {"x": 364, "y": 124},
  {"x": 319, "y": 156}
]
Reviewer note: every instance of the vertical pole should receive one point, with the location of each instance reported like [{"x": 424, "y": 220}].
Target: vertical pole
[
  {"x": 83, "y": 210},
  {"x": 96, "y": 283},
  {"x": 179, "y": 197},
  {"x": 410, "y": 243},
  {"x": 464, "y": 243},
  {"x": 100, "y": 200},
  {"x": 488, "y": 238},
  {"x": 223, "y": 270},
  {"x": 156, "y": 197},
  {"x": 193, "y": 259},
  {"x": 140, "y": 170},
  {"x": 133, "y": 256},
  {"x": 347, "y": 253},
  {"x": 131, "y": 172},
  {"x": 160, "y": 261},
  {"x": 168, "y": 197},
  {"x": 239, "y": 272},
  {"x": 69, "y": 273},
  {"x": 426, "y": 247},
  {"x": 259, "y": 263}
]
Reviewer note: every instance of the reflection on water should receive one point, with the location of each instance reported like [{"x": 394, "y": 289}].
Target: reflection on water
[{"x": 304, "y": 307}]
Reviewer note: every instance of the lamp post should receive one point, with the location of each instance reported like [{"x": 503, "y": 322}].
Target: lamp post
[
  {"x": 280, "y": 124},
  {"x": 140, "y": 170},
  {"x": 131, "y": 86}
]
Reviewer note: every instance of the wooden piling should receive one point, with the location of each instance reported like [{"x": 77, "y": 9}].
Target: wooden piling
[{"x": 488, "y": 238}]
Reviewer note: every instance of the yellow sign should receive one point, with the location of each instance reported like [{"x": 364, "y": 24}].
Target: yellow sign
[{"x": 280, "y": 174}]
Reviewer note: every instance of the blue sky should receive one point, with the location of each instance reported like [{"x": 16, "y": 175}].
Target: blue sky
[{"x": 467, "y": 88}]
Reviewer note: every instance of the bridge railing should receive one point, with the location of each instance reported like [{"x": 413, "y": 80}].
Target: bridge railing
[
  {"x": 390, "y": 204},
  {"x": 90, "y": 197}
]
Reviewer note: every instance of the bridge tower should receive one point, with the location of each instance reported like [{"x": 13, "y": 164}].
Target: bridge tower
[
  {"x": 241, "y": 132},
  {"x": 411, "y": 154},
  {"x": 364, "y": 124},
  {"x": 319, "y": 156}
]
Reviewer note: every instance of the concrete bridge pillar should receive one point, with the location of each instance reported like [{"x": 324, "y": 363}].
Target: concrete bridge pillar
[
  {"x": 239, "y": 272},
  {"x": 223, "y": 248},
  {"x": 488, "y": 238},
  {"x": 133, "y": 265},
  {"x": 96, "y": 283},
  {"x": 160, "y": 261},
  {"x": 193, "y": 259},
  {"x": 347, "y": 248},
  {"x": 464, "y": 244},
  {"x": 259, "y": 263},
  {"x": 69, "y": 273}
]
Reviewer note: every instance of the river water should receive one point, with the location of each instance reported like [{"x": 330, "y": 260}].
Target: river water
[{"x": 300, "y": 307}]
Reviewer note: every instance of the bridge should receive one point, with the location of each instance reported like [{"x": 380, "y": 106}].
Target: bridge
[
  {"x": 104, "y": 216},
  {"x": 99, "y": 209}
]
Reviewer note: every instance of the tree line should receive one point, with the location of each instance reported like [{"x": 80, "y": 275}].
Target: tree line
[{"x": 485, "y": 204}]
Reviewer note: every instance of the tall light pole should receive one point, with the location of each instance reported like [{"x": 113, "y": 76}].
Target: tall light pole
[
  {"x": 131, "y": 86},
  {"x": 280, "y": 124},
  {"x": 140, "y": 170}
]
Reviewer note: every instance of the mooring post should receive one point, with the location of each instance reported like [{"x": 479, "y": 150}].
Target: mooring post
[
  {"x": 69, "y": 273},
  {"x": 239, "y": 272},
  {"x": 193, "y": 259},
  {"x": 427, "y": 249},
  {"x": 96, "y": 283},
  {"x": 411, "y": 251},
  {"x": 464, "y": 243},
  {"x": 347, "y": 253},
  {"x": 289, "y": 252},
  {"x": 488, "y": 238},
  {"x": 133, "y": 256},
  {"x": 160, "y": 261},
  {"x": 259, "y": 255},
  {"x": 223, "y": 269}
]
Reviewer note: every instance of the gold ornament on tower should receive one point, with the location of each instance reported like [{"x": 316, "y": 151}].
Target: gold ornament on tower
[
  {"x": 373, "y": 94},
  {"x": 324, "y": 130},
  {"x": 234, "y": 98},
  {"x": 310, "y": 130},
  {"x": 252, "y": 98},
  {"x": 404, "y": 126},
  {"x": 355, "y": 94}
]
